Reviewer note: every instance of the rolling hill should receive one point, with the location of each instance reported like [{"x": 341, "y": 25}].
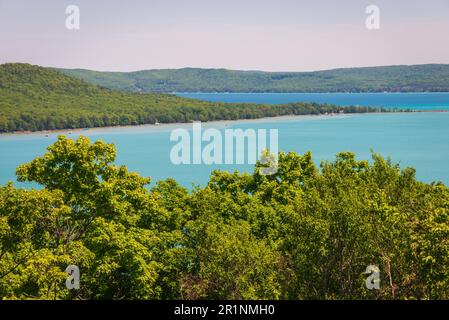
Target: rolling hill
[
  {"x": 415, "y": 78},
  {"x": 34, "y": 98}
]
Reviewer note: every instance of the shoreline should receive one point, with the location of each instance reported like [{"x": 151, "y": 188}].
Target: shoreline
[
  {"x": 221, "y": 123},
  {"x": 163, "y": 126}
]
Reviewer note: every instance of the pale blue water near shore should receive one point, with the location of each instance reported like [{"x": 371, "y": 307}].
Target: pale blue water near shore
[
  {"x": 420, "y": 140},
  {"x": 416, "y": 101}
]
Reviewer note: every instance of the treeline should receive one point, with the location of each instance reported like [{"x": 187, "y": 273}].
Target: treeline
[
  {"x": 303, "y": 233},
  {"x": 34, "y": 98},
  {"x": 414, "y": 78}
]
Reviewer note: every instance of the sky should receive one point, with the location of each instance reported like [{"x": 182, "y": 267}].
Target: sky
[{"x": 269, "y": 35}]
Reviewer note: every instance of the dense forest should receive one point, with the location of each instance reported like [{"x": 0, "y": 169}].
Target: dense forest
[
  {"x": 33, "y": 98},
  {"x": 306, "y": 232},
  {"x": 415, "y": 78}
]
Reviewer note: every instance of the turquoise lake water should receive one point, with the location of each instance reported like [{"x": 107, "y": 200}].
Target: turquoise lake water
[
  {"x": 417, "y": 101},
  {"x": 420, "y": 140}
]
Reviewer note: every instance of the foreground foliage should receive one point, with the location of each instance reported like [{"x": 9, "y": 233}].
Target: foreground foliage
[{"x": 303, "y": 233}]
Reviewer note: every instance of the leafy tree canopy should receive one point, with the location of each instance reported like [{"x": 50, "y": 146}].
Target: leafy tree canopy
[{"x": 306, "y": 232}]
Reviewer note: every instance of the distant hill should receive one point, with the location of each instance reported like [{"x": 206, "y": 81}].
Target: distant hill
[
  {"x": 415, "y": 78},
  {"x": 34, "y": 98}
]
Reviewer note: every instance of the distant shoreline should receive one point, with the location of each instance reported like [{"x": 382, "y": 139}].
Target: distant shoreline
[{"x": 433, "y": 77}]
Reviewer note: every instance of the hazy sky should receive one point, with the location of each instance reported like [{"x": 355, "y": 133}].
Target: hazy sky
[{"x": 272, "y": 35}]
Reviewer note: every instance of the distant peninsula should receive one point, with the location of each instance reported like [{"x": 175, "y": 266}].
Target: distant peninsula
[{"x": 414, "y": 78}]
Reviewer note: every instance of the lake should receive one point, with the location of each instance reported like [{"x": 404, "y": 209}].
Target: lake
[
  {"x": 416, "y": 101},
  {"x": 420, "y": 140}
]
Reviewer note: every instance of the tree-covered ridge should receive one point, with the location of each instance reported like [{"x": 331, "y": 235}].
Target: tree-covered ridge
[
  {"x": 303, "y": 233},
  {"x": 415, "y": 78},
  {"x": 33, "y": 98}
]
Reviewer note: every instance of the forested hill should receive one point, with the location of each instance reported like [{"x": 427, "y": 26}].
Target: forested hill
[
  {"x": 416, "y": 78},
  {"x": 34, "y": 98}
]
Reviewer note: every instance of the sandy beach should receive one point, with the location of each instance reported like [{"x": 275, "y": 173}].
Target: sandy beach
[{"x": 175, "y": 125}]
